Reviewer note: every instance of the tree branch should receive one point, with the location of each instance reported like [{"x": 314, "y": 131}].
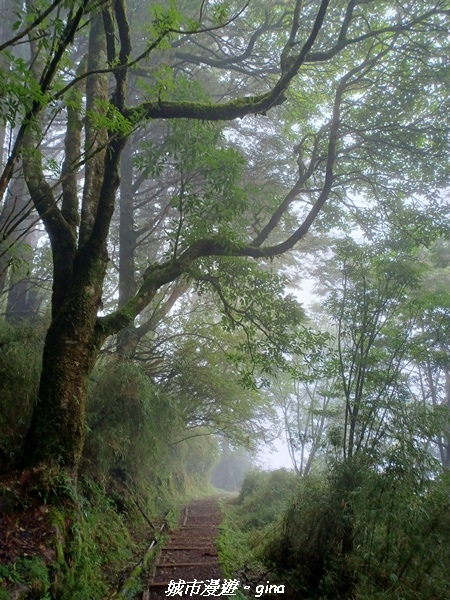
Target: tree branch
[
  {"x": 72, "y": 146},
  {"x": 30, "y": 27},
  {"x": 44, "y": 85},
  {"x": 121, "y": 72},
  {"x": 236, "y": 108}
]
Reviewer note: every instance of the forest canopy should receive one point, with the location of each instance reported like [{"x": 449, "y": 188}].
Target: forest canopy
[{"x": 167, "y": 171}]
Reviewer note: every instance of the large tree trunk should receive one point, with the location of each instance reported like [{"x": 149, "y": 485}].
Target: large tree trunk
[
  {"x": 71, "y": 348},
  {"x": 73, "y": 341}
]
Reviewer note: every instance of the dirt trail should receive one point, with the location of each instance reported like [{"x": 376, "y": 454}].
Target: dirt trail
[{"x": 189, "y": 556}]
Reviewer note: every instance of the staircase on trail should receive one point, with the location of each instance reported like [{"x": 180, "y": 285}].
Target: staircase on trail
[{"x": 188, "y": 565}]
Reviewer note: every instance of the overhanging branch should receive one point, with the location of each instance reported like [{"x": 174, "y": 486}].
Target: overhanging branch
[{"x": 234, "y": 109}]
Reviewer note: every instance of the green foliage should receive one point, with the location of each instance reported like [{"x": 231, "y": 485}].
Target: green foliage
[
  {"x": 93, "y": 545},
  {"x": 264, "y": 496},
  {"x": 235, "y": 555},
  {"x": 391, "y": 144},
  {"x": 363, "y": 532},
  {"x": 20, "y": 362},
  {"x": 105, "y": 116},
  {"x": 374, "y": 308},
  {"x": 206, "y": 383},
  {"x": 137, "y": 440},
  {"x": 190, "y": 462},
  {"x": 23, "y": 90},
  {"x": 31, "y": 573},
  {"x": 251, "y": 520},
  {"x": 165, "y": 18},
  {"x": 129, "y": 469},
  {"x": 310, "y": 534},
  {"x": 209, "y": 196},
  {"x": 128, "y": 420},
  {"x": 270, "y": 322},
  {"x": 220, "y": 12}
]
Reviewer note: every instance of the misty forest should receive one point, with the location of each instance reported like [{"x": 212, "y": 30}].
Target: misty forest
[{"x": 225, "y": 228}]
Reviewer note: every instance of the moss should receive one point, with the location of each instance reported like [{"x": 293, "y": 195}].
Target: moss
[
  {"x": 29, "y": 573},
  {"x": 97, "y": 526},
  {"x": 20, "y": 363},
  {"x": 92, "y": 546}
]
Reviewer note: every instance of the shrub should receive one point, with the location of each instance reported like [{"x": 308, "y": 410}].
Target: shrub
[
  {"x": 264, "y": 497},
  {"x": 128, "y": 420},
  {"x": 20, "y": 366},
  {"x": 366, "y": 533}
]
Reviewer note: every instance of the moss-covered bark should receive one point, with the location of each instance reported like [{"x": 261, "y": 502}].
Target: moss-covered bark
[
  {"x": 72, "y": 343},
  {"x": 71, "y": 348}
]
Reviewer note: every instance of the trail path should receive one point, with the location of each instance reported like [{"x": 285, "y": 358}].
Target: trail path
[{"x": 189, "y": 556}]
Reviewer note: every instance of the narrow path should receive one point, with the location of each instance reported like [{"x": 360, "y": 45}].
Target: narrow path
[{"x": 189, "y": 559}]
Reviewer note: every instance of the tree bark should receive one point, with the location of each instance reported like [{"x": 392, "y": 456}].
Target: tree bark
[
  {"x": 73, "y": 341},
  {"x": 71, "y": 348},
  {"x": 127, "y": 246}
]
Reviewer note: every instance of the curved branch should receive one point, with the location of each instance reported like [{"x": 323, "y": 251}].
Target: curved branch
[
  {"x": 230, "y": 60},
  {"x": 44, "y": 85},
  {"x": 234, "y": 109},
  {"x": 126, "y": 65}
]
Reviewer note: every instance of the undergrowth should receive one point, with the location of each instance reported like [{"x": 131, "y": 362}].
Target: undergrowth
[
  {"x": 361, "y": 533},
  {"x": 96, "y": 529},
  {"x": 249, "y": 521},
  {"x": 20, "y": 365}
]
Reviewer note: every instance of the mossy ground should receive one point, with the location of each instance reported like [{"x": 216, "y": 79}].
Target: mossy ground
[{"x": 61, "y": 541}]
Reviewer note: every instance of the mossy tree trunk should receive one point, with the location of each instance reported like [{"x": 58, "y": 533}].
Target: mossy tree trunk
[
  {"x": 72, "y": 343},
  {"x": 71, "y": 348}
]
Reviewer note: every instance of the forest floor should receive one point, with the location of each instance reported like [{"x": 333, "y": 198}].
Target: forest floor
[
  {"x": 25, "y": 529},
  {"x": 189, "y": 555}
]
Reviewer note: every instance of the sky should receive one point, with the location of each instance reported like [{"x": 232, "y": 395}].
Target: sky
[{"x": 276, "y": 458}]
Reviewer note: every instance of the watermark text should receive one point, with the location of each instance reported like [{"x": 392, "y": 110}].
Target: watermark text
[{"x": 218, "y": 587}]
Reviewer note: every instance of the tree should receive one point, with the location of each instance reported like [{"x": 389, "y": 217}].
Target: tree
[
  {"x": 390, "y": 336},
  {"x": 375, "y": 314},
  {"x": 310, "y": 403},
  {"x": 348, "y": 40},
  {"x": 430, "y": 375}
]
